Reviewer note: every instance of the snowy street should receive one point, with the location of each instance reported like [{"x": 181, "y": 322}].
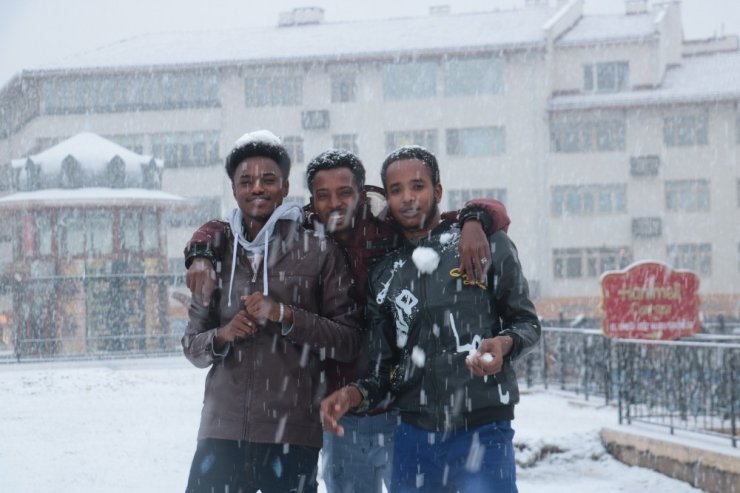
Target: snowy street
[{"x": 130, "y": 426}]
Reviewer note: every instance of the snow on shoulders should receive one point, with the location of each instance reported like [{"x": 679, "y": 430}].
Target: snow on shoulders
[
  {"x": 425, "y": 259},
  {"x": 259, "y": 136}
]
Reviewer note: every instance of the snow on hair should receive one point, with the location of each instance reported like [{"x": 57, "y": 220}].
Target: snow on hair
[{"x": 259, "y": 136}]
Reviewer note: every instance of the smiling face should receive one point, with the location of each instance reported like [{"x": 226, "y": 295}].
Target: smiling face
[
  {"x": 412, "y": 198},
  {"x": 259, "y": 188},
  {"x": 335, "y": 196}
]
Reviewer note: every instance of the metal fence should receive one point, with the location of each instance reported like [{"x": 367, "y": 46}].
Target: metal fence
[{"x": 689, "y": 384}]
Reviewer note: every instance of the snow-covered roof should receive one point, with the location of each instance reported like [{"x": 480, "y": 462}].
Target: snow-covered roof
[
  {"x": 92, "y": 197},
  {"x": 339, "y": 40},
  {"x": 612, "y": 28},
  {"x": 698, "y": 79},
  {"x": 92, "y": 151}
]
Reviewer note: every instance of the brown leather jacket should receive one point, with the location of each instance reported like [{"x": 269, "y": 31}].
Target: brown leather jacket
[{"x": 267, "y": 388}]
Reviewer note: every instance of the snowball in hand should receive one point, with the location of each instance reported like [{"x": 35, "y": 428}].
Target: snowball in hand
[
  {"x": 425, "y": 259},
  {"x": 485, "y": 358}
]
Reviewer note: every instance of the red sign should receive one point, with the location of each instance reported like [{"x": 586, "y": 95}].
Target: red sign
[{"x": 650, "y": 300}]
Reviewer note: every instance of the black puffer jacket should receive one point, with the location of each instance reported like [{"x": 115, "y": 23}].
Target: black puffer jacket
[{"x": 424, "y": 325}]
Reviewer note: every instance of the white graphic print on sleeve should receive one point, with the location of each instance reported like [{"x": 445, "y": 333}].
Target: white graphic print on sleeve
[
  {"x": 405, "y": 302},
  {"x": 386, "y": 285}
]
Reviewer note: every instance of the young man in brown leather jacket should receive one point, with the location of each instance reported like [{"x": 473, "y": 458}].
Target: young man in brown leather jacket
[{"x": 283, "y": 306}]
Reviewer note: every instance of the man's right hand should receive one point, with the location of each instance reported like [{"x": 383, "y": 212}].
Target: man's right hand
[
  {"x": 336, "y": 405},
  {"x": 201, "y": 278}
]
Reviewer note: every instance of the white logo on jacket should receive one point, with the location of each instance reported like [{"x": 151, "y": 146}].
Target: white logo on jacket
[{"x": 405, "y": 302}]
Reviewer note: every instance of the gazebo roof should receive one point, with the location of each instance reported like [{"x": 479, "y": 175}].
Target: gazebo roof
[
  {"x": 92, "y": 151},
  {"x": 91, "y": 197}
]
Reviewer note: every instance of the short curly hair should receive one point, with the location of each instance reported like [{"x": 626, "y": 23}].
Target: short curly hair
[
  {"x": 332, "y": 159},
  {"x": 412, "y": 152},
  {"x": 257, "y": 148}
]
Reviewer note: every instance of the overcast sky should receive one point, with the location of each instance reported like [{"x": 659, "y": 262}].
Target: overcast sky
[{"x": 34, "y": 32}]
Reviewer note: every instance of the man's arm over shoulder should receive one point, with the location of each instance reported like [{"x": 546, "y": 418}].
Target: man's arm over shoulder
[
  {"x": 336, "y": 328},
  {"x": 209, "y": 241},
  {"x": 511, "y": 296},
  {"x": 491, "y": 213}
]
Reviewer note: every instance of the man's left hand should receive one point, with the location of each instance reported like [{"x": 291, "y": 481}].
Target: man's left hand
[{"x": 489, "y": 359}]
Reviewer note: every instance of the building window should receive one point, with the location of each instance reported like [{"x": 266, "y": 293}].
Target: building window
[
  {"x": 696, "y": 257},
  {"x": 587, "y": 200},
  {"x": 424, "y": 138},
  {"x": 151, "y": 176},
  {"x": 70, "y": 233},
  {"x": 139, "y": 231},
  {"x": 738, "y": 192},
  {"x": 186, "y": 149},
  {"x": 6, "y": 177},
  {"x": 99, "y": 232},
  {"x": 572, "y": 263},
  {"x": 85, "y": 232},
  {"x": 348, "y": 142},
  {"x": 120, "y": 93},
  {"x": 71, "y": 176},
  {"x": 33, "y": 176},
  {"x": 473, "y": 76},
  {"x": 116, "y": 173},
  {"x": 458, "y": 198},
  {"x": 409, "y": 80},
  {"x": 647, "y": 227},
  {"x": 294, "y": 146},
  {"x": 273, "y": 91},
  {"x": 589, "y": 136},
  {"x": 343, "y": 88},
  {"x": 686, "y": 130},
  {"x": 42, "y": 233},
  {"x": 644, "y": 165},
  {"x": 150, "y": 231},
  {"x": 687, "y": 196},
  {"x": 476, "y": 141},
  {"x": 606, "y": 77}
]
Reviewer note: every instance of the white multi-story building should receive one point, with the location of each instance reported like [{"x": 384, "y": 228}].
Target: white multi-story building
[{"x": 610, "y": 138}]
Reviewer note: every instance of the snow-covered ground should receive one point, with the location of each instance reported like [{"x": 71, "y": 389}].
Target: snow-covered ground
[{"x": 130, "y": 426}]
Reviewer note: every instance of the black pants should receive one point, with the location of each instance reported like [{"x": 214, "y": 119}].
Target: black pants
[{"x": 230, "y": 466}]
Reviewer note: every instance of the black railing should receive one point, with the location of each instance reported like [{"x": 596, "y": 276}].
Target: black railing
[
  {"x": 91, "y": 316},
  {"x": 689, "y": 384}
]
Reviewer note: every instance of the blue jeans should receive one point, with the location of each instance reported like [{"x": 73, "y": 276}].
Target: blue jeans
[
  {"x": 360, "y": 461},
  {"x": 480, "y": 459}
]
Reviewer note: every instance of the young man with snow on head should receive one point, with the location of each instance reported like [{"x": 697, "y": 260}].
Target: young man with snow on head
[
  {"x": 441, "y": 344},
  {"x": 358, "y": 462},
  {"x": 282, "y": 307}
]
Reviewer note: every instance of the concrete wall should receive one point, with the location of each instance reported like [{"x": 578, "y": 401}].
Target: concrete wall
[{"x": 710, "y": 471}]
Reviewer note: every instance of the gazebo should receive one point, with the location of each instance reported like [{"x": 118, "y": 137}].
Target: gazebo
[{"x": 89, "y": 268}]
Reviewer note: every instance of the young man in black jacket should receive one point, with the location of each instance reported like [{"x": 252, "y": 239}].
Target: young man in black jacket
[{"x": 442, "y": 344}]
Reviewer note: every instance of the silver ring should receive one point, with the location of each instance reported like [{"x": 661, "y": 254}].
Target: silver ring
[{"x": 484, "y": 260}]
